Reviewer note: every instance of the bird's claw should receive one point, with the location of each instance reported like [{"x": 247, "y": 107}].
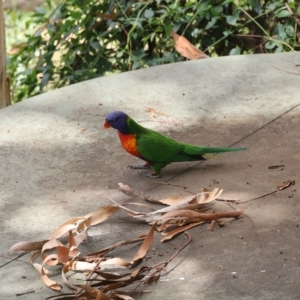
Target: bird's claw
[
  {"x": 151, "y": 175},
  {"x": 139, "y": 167}
]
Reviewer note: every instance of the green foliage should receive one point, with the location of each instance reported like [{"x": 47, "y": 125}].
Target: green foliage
[{"x": 78, "y": 40}]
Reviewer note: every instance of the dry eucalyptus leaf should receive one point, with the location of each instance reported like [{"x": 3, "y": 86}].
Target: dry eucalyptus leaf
[
  {"x": 116, "y": 261},
  {"x": 49, "y": 282},
  {"x": 51, "y": 244},
  {"x": 101, "y": 214},
  {"x": 178, "y": 199},
  {"x": 65, "y": 227},
  {"x": 186, "y": 49},
  {"x": 125, "y": 188},
  {"x": 174, "y": 232},
  {"x": 145, "y": 246},
  {"x": 208, "y": 196},
  {"x": 64, "y": 271},
  {"x": 28, "y": 246},
  {"x": 82, "y": 266},
  {"x": 122, "y": 297},
  {"x": 285, "y": 185},
  {"x": 139, "y": 204},
  {"x": 80, "y": 237},
  {"x": 152, "y": 111},
  {"x": 92, "y": 293},
  {"x": 129, "y": 211}
]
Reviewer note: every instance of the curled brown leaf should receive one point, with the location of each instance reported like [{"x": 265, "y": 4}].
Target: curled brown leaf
[
  {"x": 186, "y": 49},
  {"x": 285, "y": 185}
]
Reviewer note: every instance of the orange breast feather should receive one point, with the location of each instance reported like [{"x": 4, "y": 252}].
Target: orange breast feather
[{"x": 129, "y": 143}]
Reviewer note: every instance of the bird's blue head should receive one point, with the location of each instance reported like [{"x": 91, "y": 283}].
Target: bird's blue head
[{"x": 117, "y": 120}]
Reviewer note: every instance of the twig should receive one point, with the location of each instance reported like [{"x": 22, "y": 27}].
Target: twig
[
  {"x": 182, "y": 247},
  {"x": 112, "y": 247},
  {"x": 291, "y": 72},
  {"x": 258, "y": 197},
  {"x": 26, "y": 292},
  {"x": 176, "y": 253},
  {"x": 79, "y": 292},
  {"x": 276, "y": 167},
  {"x": 155, "y": 111},
  {"x": 228, "y": 200},
  {"x": 133, "y": 193},
  {"x": 13, "y": 259},
  {"x": 237, "y": 201},
  {"x": 172, "y": 184},
  {"x": 212, "y": 225},
  {"x": 253, "y": 228},
  {"x": 159, "y": 121},
  {"x": 158, "y": 268}
]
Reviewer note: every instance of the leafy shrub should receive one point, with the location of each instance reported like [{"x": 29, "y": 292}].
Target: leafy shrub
[{"x": 83, "y": 39}]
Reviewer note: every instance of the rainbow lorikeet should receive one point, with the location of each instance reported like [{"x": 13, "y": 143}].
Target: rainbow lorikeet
[{"x": 154, "y": 148}]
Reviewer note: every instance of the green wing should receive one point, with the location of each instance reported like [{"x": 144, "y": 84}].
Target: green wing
[{"x": 158, "y": 148}]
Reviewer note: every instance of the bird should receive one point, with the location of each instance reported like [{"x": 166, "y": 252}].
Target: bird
[{"x": 154, "y": 148}]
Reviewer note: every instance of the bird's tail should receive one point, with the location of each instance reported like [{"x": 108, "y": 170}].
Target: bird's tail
[
  {"x": 219, "y": 150},
  {"x": 195, "y": 150}
]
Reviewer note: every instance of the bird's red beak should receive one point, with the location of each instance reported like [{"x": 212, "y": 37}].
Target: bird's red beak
[{"x": 106, "y": 125}]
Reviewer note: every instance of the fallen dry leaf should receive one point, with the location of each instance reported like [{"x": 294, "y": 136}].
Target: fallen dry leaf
[
  {"x": 122, "y": 297},
  {"x": 62, "y": 252},
  {"x": 49, "y": 282},
  {"x": 66, "y": 227},
  {"x": 178, "y": 199},
  {"x": 145, "y": 246},
  {"x": 65, "y": 270},
  {"x": 285, "y": 185},
  {"x": 152, "y": 112},
  {"x": 186, "y": 49},
  {"x": 125, "y": 188},
  {"x": 208, "y": 196},
  {"x": 116, "y": 261},
  {"x": 28, "y": 246},
  {"x": 92, "y": 293},
  {"x": 101, "y": 214},
  {"x": 174, "y": 232}
]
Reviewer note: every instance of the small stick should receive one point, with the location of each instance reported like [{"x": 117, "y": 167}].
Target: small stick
[
  {"x": 253, "y": 228},
  {"x": 182, "y": 247},
  {"x": 176, "y": 253},
  {"x": 26, "y": 292},
  {"x": 244, "y": 201},
  {"x": 276, "y": 167},
  {"x": 259, "y": 197},
  {"x": 291, "y": 72},
  {"x": 14, "y": 259},
  {"x": 155, "y": 111},
  {"x": 228, "y": 199},
  {"x": 166, "y": 183}
]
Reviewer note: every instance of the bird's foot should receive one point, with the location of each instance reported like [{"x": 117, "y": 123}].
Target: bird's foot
[
  {"x": 151, "y": 175},
  {"x": 146, "y": 166}
]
